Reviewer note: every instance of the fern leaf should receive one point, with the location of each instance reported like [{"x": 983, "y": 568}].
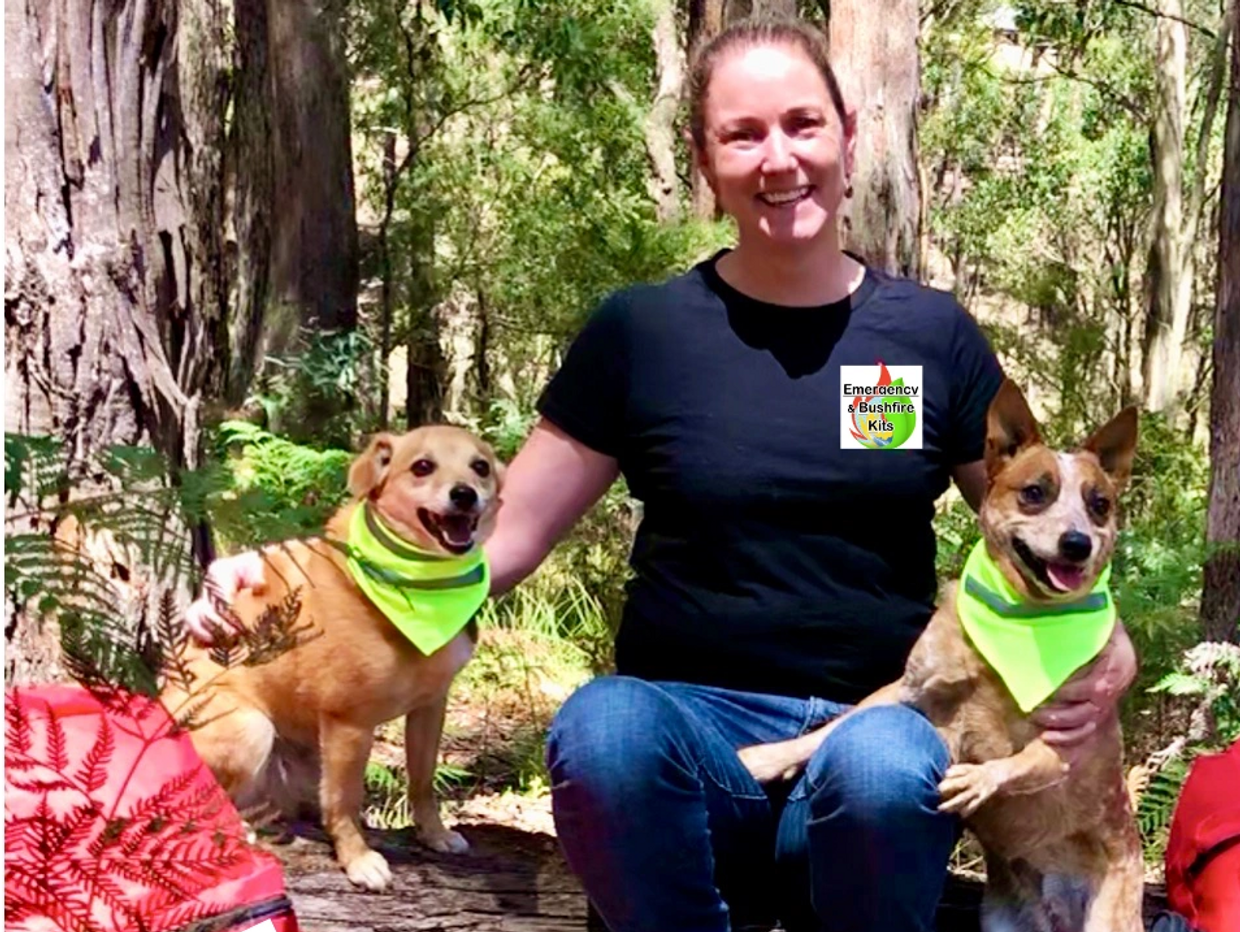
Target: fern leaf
[
  {"x": 57, "y": 743},
  {"x": 92, "y": 771},
  {"x": 18, "y": 735}
]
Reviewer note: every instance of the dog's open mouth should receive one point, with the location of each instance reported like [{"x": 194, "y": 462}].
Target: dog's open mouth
[
  {"x": 455, "y": 532},
  {"x": 1054, "y": 576}
]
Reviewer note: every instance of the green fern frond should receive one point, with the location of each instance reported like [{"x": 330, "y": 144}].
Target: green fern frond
[{"x": 1177, "y": 683}]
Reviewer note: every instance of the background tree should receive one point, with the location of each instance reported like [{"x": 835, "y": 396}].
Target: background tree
[
  {"x": 114, "y": 278},
  {"x": 1220, "y": 597},
  {"x": 874, "y": 48},
  {"x": 1178, "y": 198},
  {"x": 293, "y": 219}
]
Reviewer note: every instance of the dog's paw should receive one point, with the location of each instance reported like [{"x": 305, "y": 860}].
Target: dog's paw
[
  {"x": 370, "y": 871},
  {"x": 445, "y": 841},
  {"x": 966, "y": 787},
  {"x": 768, "y": 763}
]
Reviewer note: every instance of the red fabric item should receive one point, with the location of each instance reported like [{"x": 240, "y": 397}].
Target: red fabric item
[
  {"x": 112, "y": 822},
  {"x": 1203, "y": 850}
]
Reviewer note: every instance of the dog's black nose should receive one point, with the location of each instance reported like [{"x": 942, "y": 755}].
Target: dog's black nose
[
  {"x": 1075, "y": 546},
  {"x": 463, "y": 496}
]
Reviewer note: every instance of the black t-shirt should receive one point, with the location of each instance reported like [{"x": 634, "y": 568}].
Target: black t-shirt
[{"x": 769, "y": 558}]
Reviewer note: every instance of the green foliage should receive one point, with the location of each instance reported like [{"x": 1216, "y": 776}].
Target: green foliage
[
  {"x": 1156, "y": 807},
  {"x": 133, "y": 516},
  {"x": 387, "y": 792},
  {"x": 322, "y": 392},
  {"x": 1161, "y": 545},
  {"x": 1205, "y": 684},
  {"x": 99, "y": 549},
  {"x": 277, "y": 489}
]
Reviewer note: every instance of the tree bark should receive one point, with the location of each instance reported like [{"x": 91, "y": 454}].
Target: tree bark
[
  {"x": 661, "y": 121},
  {"x": 739, "y": 9},
  {"x": 294, "y": 223},
  {"x": 314, "y": 242},
  {"x": 1220, "y": 597},
  {"x": 114, "y": 266},
  {"x": 425, "y": 372},
  {"x": 252, "y": 204},
  {"x": 874, "y": 49},
  {"x": 705, "y": 22},
  {"x": 1170, "y": 278}
]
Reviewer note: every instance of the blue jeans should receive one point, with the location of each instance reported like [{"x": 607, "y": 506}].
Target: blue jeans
[{"x": 668, "y": 831}]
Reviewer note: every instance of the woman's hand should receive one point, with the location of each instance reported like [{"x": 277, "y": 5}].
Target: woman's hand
[
  {"x": 207, "y": 617},
  {"x": 1082, "y": 705}
]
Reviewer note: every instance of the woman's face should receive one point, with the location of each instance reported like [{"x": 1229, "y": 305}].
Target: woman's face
[{"x": 777, "y": 152}]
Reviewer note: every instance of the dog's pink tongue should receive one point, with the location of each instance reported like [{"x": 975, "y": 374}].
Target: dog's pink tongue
[
  {"x": 458, "y": 529},
  {"x": 1066, "y": 576}
]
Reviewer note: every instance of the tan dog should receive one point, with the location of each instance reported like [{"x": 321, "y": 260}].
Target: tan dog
[
  {"x": 435, "y": 488},
  {"x": 1062, "y": 850}
]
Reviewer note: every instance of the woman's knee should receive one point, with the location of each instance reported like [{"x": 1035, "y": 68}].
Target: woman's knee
[
  {"x": 881, "y": 763},
  {"x": 614, "y": 732}
]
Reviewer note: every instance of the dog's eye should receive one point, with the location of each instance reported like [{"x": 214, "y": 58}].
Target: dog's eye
[
  {"x": 481, "y": 468},
  {"x": 423, "y": 467},
  {"x": 1032, "y": 495},
  {"x": 1099, "y": 504}
]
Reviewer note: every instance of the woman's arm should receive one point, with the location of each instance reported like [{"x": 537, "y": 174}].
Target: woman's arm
[
  {"x": 970, "y": 478},
  {"x": 551, "y": 482}
]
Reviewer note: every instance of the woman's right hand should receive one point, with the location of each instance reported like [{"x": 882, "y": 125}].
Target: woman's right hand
[{"x": 225, "y": 578}]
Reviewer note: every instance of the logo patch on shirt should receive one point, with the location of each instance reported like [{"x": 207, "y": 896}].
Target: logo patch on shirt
[{"x": 881, "y": 407}]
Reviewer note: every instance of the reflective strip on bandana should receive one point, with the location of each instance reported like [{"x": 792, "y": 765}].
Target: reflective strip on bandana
[
  {"x": 429, "y": 597},
  {"x": 1034, "y": 648}
]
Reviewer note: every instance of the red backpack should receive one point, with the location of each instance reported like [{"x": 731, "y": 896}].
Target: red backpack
[
  {"x": 112, "y": 822},
  {"x": 1203, "y": 850}
]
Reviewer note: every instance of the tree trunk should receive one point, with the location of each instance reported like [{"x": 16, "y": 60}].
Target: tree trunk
[
  {"x": 114, "y": 272},
  {"x": 739, "y": 9},
  {"x": 296, "y": 233},
  {"x": 1220, "y": 597},
  {"x": 874, "y": 48},
  {"x": 1170, "y": 278},
  {"x": 661, "y": 121},
  {"x": 705, "y": 22},
  {"x": 314, "y": 242},
  {"x": 424, "y": 375},
  {"x": 252, "y": 172}
]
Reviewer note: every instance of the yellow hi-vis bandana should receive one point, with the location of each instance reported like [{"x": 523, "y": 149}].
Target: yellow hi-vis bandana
[
  {"x": 1034, "y": 648},
  {"x": 428, "y": 597}
]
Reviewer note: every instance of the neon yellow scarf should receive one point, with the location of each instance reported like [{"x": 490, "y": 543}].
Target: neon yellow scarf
[
  {"x": 1034, "y": 648},
  {"x": 427, "y": 596}
]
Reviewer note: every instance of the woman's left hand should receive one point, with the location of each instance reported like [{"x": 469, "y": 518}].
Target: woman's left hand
[{"x": 1084, "y": 703}]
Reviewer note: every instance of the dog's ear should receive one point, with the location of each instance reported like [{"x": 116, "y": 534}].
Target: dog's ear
[
  {"x": 1010, "y": 428},
  {"x": 370, "y": 469},
  {"x": 1115, "y": 445}
]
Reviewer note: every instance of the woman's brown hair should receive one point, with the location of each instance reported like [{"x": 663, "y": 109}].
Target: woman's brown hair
[{"x": 753, "y": 33}]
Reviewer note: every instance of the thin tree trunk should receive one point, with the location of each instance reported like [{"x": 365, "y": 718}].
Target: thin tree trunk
[
  {"x": 739, "y": 9},
  {"x": 705, "y": 22},
  {"x": 661, "y": 121},
  {"x": 1170, "y": 263},
  {"x": 252, "y": 169},
  {"x": 387, "y": 307},
  {"x": 1220, "y": 597},
  {"x": 114, "y": 271},
  {"x": 874, "y": 47},
  {"x": 314, "y": 242},
  {"x": 293, "y": 217},
  {"x": 424, "y": 376}
]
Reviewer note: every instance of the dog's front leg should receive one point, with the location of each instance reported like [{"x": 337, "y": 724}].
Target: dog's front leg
[
  {"x": 965, "y": 787},
  {"x": 345, "y": 748},
  {"x": 423, "y": 728}
]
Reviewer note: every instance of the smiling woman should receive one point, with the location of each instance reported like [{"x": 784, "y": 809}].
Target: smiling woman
[{"x": 783, "y": 568}]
